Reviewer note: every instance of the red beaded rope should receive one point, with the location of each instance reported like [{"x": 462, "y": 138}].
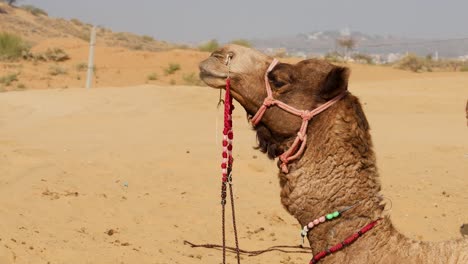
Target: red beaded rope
[
  {"x": 228, "y": 135},
  {"x": 344, "y": 243}
]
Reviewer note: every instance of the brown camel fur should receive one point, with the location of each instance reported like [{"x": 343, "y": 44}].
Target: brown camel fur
[{"x": 338, "y": 167}]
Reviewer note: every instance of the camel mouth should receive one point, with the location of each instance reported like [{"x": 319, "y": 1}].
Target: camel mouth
[{"x": 213, "y": 79}]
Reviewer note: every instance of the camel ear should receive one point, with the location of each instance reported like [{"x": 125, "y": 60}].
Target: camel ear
[{"x": 335, "y": 83}]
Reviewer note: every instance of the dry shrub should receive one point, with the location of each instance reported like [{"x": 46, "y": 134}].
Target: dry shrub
[
  {"x": 12, "y": 46},
  {"x": 209, "y": 46},
  {"x": 172, "y": 68},
  {"x": 36, "y": 11},
  {"x": 8, "y": 79}
]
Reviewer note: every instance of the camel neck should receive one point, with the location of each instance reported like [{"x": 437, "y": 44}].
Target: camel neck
[{"x": 337, "y": 170}]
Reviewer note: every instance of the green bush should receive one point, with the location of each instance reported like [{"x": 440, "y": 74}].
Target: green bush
[
  {"x": 8, "y": 79},
  {"x": 152, "y": 76},
  {"x": 147, "y": 38},
  {"x": 34, "y": 10},
  {"x": 333, "y": 57},
  {"x": 81, "y": 67},
  {"x": 209, "y": 46},
  {"x": 12, "y": 46},
  {"x": 242, "y": 42},
  {"x": 55, "y": 70},
  {"x": 172, "y": 68},
  {"x": 412, "y": 62},
  {"x": 363, "y": 58},
  {"x": 56, "y": 54}
]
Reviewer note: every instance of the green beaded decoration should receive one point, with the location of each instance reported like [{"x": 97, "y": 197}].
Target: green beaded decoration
[
  {"x": 336, "y": 214},
  {"x": 329, "y": 216}
]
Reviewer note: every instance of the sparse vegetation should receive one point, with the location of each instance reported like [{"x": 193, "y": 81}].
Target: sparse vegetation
[
  {"x": 242, "y": 42},
  {"x": 55, "y": 54},
  {"x": 412, "y": 62},
  {"x": 121, "y": 36},
  {"x": 348, "y": 43},
  {"x": 172, "y": 68},
  {"x": 362, "y": 58},
  {"x": 20, "y": 86},
  {"x": 427, "y": 64},
  {"x": 147, "y": 38},
  {"x": 172, "y": 82},
  {"x": 192, "y": 79},
  {"x": 152, "y": 77},
  {"x": 10, "y": 2},
  {"x": 34, "y": 10},
  {"x": 209, "y": 46},
  {"x": 12, "y": 46},
  {"x": 8, "y": 79},
  {"x": 77, "y": 22},
  {"x": 81, "y": 67},
  {"x": 280, "y": 53},
  {"x": 333, "y": 57},
  {"x": 56, "y": 69}
]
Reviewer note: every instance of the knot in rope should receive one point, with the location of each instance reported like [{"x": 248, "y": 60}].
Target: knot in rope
[
  {"x": 269, "y": 101},
  {"x": 305, "y": 115}
]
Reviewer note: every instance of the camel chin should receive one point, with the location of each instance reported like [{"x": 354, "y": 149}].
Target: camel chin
[{"x": 213, "y": 81}]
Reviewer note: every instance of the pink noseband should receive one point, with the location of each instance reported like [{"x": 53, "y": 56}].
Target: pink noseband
[{"x": 298, "y": 146}]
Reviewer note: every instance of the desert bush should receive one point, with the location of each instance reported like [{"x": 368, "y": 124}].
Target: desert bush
[
  {"x": 333, "y": 57},
  {"x": 280, "y": 53},
  {"x": 55, "y": 70},
  {"x": 242, "y": 42},
  {"x": 152, "y": 76},
  {"x": 34, "y": 10},
  {"x": 8, "y": 79},
  {"x": 136, "y": 47},
  {"x": 464, "y": 68},
  {"x": 172, "y": 68},
  {"x": 20, "y": 86},
  {"x": 412, "y": 62},
  {"x": 12, "y": 46},
  {"x": 172, "y": 82},
  {"x": 209, "y": 46},
  {"x": 83, "y": 66},
  {"x": 56, "y": 54},
  {"x": 192, "y": 79},
  {"x": 121, "y": 36},
  {"x": 10, "y": 2},
  {"x": 147, "y": 38},
  {"x": 362, "y": 58},
  {"x": 77, "y": 22}
]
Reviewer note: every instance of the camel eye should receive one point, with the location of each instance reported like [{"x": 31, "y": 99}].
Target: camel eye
[{"x": 217, "y": 55}]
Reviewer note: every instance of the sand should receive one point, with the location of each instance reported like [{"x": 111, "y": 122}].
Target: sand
[{"x": 126, "y": 174}]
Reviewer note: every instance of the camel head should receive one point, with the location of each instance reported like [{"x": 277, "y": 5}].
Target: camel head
[{"x": 304, "y": 85}]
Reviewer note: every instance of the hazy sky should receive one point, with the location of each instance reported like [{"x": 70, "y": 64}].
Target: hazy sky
[{"x": 198, "y": 20}]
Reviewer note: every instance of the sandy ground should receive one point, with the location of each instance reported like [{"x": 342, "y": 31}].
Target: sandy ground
[{"x": 124, "y": 175}]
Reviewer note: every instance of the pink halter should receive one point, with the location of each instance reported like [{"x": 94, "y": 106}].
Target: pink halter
[{"x": 299, "y": 143}]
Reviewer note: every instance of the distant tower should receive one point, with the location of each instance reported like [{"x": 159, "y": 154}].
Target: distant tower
[{"x": 436, "y": 55}]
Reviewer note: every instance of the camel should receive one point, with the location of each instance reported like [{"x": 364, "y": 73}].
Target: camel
[{"x": 338, "y": 166}]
